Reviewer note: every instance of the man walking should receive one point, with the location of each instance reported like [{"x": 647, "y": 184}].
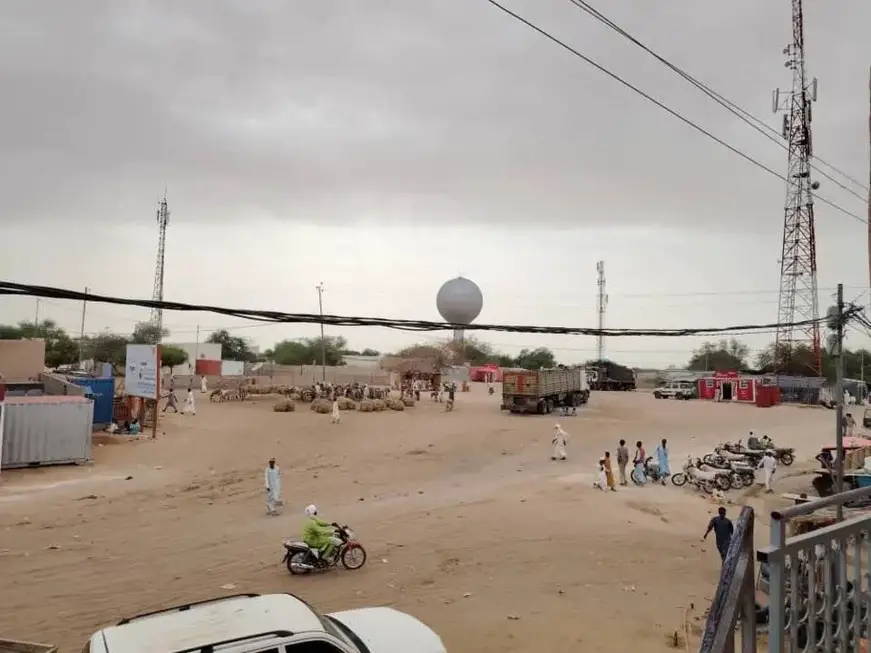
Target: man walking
[
  {"x": 273, "y": 487},
  {"x": 622, "y": 461},
  {"x": 723, "y": 529}
]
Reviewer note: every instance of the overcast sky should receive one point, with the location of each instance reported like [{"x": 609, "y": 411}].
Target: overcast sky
[{"x": 383, "y": 147}]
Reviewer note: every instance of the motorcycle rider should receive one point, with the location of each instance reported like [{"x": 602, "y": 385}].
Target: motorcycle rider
[{"x": 319, "y": 534}]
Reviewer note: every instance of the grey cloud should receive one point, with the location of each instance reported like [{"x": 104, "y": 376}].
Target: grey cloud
[{"x": 339, "y": 111}]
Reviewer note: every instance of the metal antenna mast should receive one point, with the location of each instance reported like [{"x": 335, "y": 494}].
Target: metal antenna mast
[
  {"x": 869, "y": 180},
  {"x": 798, "y": 262},
  {"x": 157, "y": 293},
  {"x": 602, "y": 305}
]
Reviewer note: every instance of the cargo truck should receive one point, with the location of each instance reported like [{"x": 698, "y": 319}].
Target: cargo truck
[
  {"x": 610, "y": 376},
  {"x": 540, "y": 391}
]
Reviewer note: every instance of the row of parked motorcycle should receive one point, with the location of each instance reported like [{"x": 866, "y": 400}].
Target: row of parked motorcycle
[{"x": 730, "y": 466}]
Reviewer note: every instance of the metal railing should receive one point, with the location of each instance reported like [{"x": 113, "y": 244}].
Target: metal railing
[
  {"x": 818, "y": 583},
  {"x": 735, "y": 600}
]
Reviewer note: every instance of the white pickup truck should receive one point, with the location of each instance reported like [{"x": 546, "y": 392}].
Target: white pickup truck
[{"x": 269, "y": 623}]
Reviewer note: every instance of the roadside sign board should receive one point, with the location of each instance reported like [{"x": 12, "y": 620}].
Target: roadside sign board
[{"x": 142, "y": 371}]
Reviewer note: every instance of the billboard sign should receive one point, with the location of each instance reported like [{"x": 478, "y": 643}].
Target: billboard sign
[{"x": 142, "y": 371}]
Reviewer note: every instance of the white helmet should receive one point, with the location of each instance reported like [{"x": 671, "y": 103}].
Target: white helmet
[{"x": 311, "y": 511}]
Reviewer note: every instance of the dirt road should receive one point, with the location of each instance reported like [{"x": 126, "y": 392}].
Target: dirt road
[{"x": 469, "y": 525}]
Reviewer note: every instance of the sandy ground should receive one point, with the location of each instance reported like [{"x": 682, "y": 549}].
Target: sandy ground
[{"x": 469, "y": 525}]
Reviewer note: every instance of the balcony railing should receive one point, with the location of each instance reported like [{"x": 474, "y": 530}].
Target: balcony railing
[{"x": 817, "y": 584}]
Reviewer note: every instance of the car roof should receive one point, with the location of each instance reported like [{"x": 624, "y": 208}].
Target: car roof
[{"x": 196, "y": 626}]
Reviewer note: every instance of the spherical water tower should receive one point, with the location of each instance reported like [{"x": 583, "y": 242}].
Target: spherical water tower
[{"x": 459, "y": 302}]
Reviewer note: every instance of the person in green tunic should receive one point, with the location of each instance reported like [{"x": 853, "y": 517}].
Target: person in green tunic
[{"x": 318, "y": 534}]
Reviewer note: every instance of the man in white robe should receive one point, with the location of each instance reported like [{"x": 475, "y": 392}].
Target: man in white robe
[
  {"x": 768, "y": 465},
  {"x": 189, "y": 406},
  {"x": 336, "y": 414},
  {"x": 204, "y": 385},
  {"x": 559, "y": 443},
  {"x": 272, "y": 478}
]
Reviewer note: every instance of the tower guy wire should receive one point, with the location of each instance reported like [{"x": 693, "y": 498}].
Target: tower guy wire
[
  {"x": 602, "y": 304},
  {"x": 799, "y": 294},
  {"x": 157, "y": 292},
  {"x": 698, "y": 128}
]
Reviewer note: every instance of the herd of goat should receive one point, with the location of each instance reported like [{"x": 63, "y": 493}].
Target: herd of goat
[{"x": 730, "y": 466}]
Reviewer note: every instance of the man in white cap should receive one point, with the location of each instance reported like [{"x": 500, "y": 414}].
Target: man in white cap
[
  {"x": 272, "y": 478},
  {"x": 559, "y": 443}
]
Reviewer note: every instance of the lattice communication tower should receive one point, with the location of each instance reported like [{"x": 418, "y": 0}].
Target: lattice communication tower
[
  {"x": 799, "y": 299},
  {"x": 157, "y": 293}
]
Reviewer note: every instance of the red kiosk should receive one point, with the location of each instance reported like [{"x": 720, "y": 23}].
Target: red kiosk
[{"x": 728, "y": 386}]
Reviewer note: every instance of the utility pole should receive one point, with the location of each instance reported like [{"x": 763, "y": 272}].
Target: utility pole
[
  {"x": 602, "y": 305},
  {"x": 82, "y": 331},
  {"x": 196, "y": 352},
  {"x": 869, "y": 177},
  {"x": 839, "y": 398},
  {"x": 36, "y": 321},
  {"x": 798, "y": 301},
  {"x": 320, "y": 289}
]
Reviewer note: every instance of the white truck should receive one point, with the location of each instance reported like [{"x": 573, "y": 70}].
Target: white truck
[
  {"x": 269, "y": 623},
  {"x": 541, "y": 391}
]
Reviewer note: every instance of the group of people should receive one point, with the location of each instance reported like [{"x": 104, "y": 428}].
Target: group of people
[
  {"x": 189, "y": 402},
  {"x": 605, "y": 472}
]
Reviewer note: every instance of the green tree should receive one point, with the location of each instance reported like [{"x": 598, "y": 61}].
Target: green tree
[
  {"x": 9, "y": 332},
  {"x": 370, "y": 352},
  {"x": 172, "y": 356},
  {"x": 147, "y": 333},
  {"x": 306, "y": 351},
  {"x": 723, "y": 356},
  {"x": 60, "y": 349},
  {"x": 799, "y": 361},
  {"x": 536, "y": 359},
  {"x": 107, "y": 347},
  {"x": 233, "y": 348}
]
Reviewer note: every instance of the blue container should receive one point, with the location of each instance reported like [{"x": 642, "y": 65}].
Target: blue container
[
  {"x": 863, "y": 480},
  {"x": 102, "y": 392}
]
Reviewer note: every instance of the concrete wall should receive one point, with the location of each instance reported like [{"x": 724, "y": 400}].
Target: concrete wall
[
  {"x": 57, "y": 385},
  {"x": 22, "y": 360}
]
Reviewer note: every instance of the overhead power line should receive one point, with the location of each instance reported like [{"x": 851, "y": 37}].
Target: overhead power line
[
  {"x": 756, "y": 123},
  {"x": 26, "y": 290},
  {"x": 664, "y": 106}
]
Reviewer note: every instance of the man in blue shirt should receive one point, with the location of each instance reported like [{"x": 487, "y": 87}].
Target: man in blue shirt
[{"x": 723, "y": 529}]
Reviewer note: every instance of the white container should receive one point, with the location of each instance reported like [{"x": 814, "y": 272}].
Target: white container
[{"x": 47, "y": 430}]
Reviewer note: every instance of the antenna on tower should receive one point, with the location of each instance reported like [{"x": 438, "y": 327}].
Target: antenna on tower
[
  {"x": 798, "y": 299},
  {"x": 157, "y": 293},
  {"x": 602, "y": 305}
]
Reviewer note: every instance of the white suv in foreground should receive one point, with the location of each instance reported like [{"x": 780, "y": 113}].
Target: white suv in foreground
[{"x": 271, "y": 623}]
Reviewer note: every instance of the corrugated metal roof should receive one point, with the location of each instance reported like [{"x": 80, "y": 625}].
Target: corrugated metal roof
[{"x": 47, "y": 399}]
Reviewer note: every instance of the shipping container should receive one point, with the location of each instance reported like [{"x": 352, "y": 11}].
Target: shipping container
[
  {"x": 232, "y": 368},
  {"x": 49, "y": 430},
  {"x": 208, "y": 367},
  {"x": 102, "y": 392}
]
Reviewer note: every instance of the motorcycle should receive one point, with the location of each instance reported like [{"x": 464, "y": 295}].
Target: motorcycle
[
  {"x": 702, "y": 479},
  {"x": 651, "y": 472},
  {"x": 300, "y": 558}
]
